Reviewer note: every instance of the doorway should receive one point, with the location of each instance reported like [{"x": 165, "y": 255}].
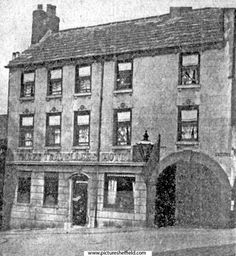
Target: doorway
[
  {"x": 79, "y": 200},
  {"x": 165, "y": 197}
]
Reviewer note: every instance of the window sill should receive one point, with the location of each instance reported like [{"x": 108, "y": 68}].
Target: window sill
[
  {"x": 121, "y": 147},
  {"x": 190, "y": 86},
  {"x": 22, "y": 204},
  {"x": 80, "y": 147},
  {"x": 187, "y": 143},
  {"x": 25, "y": 148},
  {"x": 22, "y": 99},
  {"x": 82, "y": 94},
  {"x": 110, "y": 209},
  {"x": 51, "y": 97},
  {"x": 130, "y": 91},
  {"x": 51, "y": 206},
  {"x": 53, "y": 148}
]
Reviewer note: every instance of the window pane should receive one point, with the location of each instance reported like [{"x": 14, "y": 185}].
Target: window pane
[
  {"x": 50, "y": 188},
  {"x": 24, "y": 184},
  {"x": 189, "y": 131},
  {"x": 123, "y": 116},
  {"x": 84, "y": 71},
  {"x": 83, "y": 119},
  {"x": 28, "y": 90},
  {"x": 57, "y": 136},
  {"x": 123, "y": 135},
  {"x": 28, "y": 77},
  {"x": 83, "y": 135},
  {"x": 124, "y": 66},
  {"x": 27, "y": 121},
  {"x": 56, "y": 88},
  {"x": 56, "y": 74},
  {"x": 190, "y": 76},
  {"x": 54, "y": 120},
  {"x": 189, "y": 60},
  {"x": 189, "y": 115}
]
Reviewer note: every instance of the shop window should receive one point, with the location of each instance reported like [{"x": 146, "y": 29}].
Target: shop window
[
  {"x": 190, "y": 69},
  {"x": 50, "y": 188},
  {"x": 119, "y": 192},
  {"x": 24, "y": 185},
  {"x": 53, "y": 129},
  {"x": 55, "y": 82},
  {"x": 122, "y": 127},
  {"x": 188, "y": 119},
  {"x": 124, "y": 75},
  {"x": 83, "y": 79},
  {"x": 26, "y": 130},
  {"x": 81, "y": 128},
  {"x": 27, "y": 84}
]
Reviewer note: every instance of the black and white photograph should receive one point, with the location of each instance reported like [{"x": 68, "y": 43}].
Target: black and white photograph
[{"x": 118, "y": 127}]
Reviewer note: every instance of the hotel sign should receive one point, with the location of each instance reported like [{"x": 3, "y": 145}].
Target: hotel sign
[{"x": 76, "y": 156}]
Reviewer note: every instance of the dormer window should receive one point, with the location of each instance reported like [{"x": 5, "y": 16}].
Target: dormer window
[
  {"x": 189, "y": 69},
  {"x": 124, "y": 75},
  {"x": 28, "y": 84},
  {"x": 55, "y": 82},
  {"x": 83, "y": 79}
]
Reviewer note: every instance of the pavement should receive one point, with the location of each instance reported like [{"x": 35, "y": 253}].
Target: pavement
[{"x": 163, "y": 241}]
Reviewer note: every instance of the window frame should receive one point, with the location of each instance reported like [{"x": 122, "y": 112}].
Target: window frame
[
  {"x": 48, "y": 127},
  {"x": 24, "y": 130},
  {"x": 117, "y": 206},
  {"x": 180, "y": 123},
  {"x": 51, "y": 81},
  {"x": 117, "y": 86},
  {"x": 116, "y": 127},
  {"x": 182, "y": 68},
  {"x": 76, "y": 127},
  {"x": 23, "y": 177},
  {"x": 78, "y": 79},
  {"x": 32, "y": 84},
  {"x": 53, "y": 178}
]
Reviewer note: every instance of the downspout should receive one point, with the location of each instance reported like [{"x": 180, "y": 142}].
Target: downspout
[{"x": 99, "y": 143}]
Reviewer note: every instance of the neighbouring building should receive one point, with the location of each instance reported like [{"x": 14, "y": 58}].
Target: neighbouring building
[
  {"x": 80, "y": 100},
  {"x": 3, "y": 149}
]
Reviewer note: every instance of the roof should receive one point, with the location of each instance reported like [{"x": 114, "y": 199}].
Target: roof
[{"x": 200, "y": 26}]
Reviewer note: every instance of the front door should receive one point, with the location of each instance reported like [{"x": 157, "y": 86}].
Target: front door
[{"x": 79, "y": 202}]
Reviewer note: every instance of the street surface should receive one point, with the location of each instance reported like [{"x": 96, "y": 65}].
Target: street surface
[{"x": 164, "y": 241}]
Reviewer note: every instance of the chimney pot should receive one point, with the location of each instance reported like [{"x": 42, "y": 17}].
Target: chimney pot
[
  {"x": 40, "y": 7},
  {"x": 51, "y": 10},
  {"x": 17, "y": 54},
  {"x": 13, "y": 55}
]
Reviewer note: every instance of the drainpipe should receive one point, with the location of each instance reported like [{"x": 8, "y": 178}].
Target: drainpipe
[{"x": 99, "y": 143}]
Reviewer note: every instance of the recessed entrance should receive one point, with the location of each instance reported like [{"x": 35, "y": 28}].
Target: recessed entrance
[
  {"x": 190, "y": 194},
  {"x": 165, "y": 197},
  {"x": 79, "y": 200}
]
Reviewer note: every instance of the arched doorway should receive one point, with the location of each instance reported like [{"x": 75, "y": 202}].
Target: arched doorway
[
  {"x": 192, "y": 190},
  {"x": 79, "y": 199}
]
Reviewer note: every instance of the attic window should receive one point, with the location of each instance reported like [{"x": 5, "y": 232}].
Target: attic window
[
  {"x": 55, "y": 82},
  {"x": 27, "y": 84},
  {"x": 189, "y": 69}
]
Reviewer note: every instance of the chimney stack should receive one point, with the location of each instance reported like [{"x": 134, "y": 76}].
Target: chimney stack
[
  {"x": 179, "y": 11},
  {"x": 43, "y": 22}
]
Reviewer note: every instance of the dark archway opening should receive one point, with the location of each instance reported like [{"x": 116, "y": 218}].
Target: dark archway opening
[{"x": 165, "y": 197}]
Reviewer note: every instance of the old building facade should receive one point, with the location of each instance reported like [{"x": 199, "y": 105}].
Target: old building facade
[{"x": 80, "y": 99}]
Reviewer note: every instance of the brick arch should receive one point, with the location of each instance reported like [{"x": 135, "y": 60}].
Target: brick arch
[{"x": 197, "y": 157}]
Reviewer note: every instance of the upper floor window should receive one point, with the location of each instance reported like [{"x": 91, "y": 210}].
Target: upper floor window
[
  {"x": 53, "y": 129},
  {"x": 26, "y": 130},
  {"x": 24, "y": 185},
  {"x": 83, "y": 79},
  {"x": 124, "y": 75},
  {"x": 55, "y": 82},
  {"x": 28, "y": 84},
  {"x": 190, "y": 69},
  {"x": 122, "y": 127},
  {"x": 51, "y": 181},
  {"x": 81, "y": 128},
  {"x": 188, "y": 123}
]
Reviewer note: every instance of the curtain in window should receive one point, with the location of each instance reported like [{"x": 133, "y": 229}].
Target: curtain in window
[{"x": 112, "y": 191}]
